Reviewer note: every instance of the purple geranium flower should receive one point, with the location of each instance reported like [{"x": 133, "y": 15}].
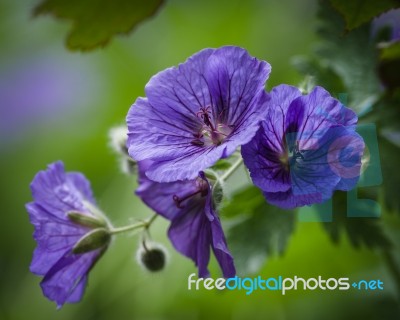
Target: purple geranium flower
[
  {"x": 197, "y": 113},
  {"x": 70, "y": 231},
  {"x": 195, "y": 226},
  {"x": 391, "y": 20},
  {"x": 305, "y": 149}
]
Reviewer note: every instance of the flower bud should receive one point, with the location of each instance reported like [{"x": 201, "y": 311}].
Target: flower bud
[
  {"x": 217, "y": 194},
  {"x": 152, "y": 257},
  {"x": 118, "y": 137},
  {"x": 217, "y": 187},
  {"x": 86, "y": 220},
  {"x": 93, "y": 240}
]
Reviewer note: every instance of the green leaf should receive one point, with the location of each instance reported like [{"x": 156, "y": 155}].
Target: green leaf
[
  {"x": 323, "y": 74},
  {"x": 391, "y": 51},
  {"x": 358, "y": 12},
  {"x": 390, "y": 173},
  {"x": 389, "y": 66},
  {"x": 243, "y": 202},
  {"x": 386, "y": 115},
  {"x": 343, "y": 62},
  {"x": 360, "y": 231},
  {"x": 264, "y": 231},
  {"x": 94, "y": 22},
  {"x": 222, "y": 164}
]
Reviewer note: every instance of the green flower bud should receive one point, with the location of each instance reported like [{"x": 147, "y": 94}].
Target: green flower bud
[
  {"x": 86, "y": 220},
  {"x": 93, "y": 240},
  {"x": 152, "y": 257}
]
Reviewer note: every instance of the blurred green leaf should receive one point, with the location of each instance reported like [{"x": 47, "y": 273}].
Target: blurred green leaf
[
  {"x": 264, "y": 231},
  {"x": 390, "y": 173},
  {"x": 392, "y": 51},
  {"x": 358, "y": 12},
  {"x": 344, "y": 62},
  {"x": 244, "y": 202},
  {"x": 323, "y": 74},
  {"x": 222, "y": 164},
  {"x": 389, "y": 65},
  {"x": 96, "y": 21},
  {"x": 386, "y": 115},
  {"x": 359, "y": 230}
]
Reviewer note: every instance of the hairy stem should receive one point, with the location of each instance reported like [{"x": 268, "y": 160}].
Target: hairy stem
[
  {"x": 138, "y": 225},
  {"x": 232, "y": 169}
]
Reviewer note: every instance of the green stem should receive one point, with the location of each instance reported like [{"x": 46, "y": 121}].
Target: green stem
[
  {"x": 232, "y": 169},
  {"x": 143, "y": 224},
  {"x": 228, "y": 173}
]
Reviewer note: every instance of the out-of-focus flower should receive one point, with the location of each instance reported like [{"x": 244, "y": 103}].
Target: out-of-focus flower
[
  {"x": 197, "y": 113},
  {"x": 389, "y": 20},
  {"x": 41, "y": 91},
  {"x": 305, "y": 149},
  {"x": 195, "y": 226},
  {"x": 71, "y": 233}
]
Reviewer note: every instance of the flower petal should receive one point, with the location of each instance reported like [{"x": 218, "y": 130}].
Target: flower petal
[
  {"x": 191, "y": 235},
  {"x": 313, "y": 114},
  {"x": 58, "y": 192},
  {"x": 287, "y": 200},
  {"x": 159, "y": 196},
  {"x": 66, "y": 280},
  {"x": 54, "y": 237},
  {"x": 235, "y": 81},
  {"x": 336, "y": 156},
  {"x": 221, "y": 250}
]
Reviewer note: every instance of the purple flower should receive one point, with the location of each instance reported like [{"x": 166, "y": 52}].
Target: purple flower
[
  {"x": 71, "y": 233},
  {"x": 197, "y": 113},
  {"x": 390, "y": 19},
  {"x": 195, "y": 226},
  {"x": 305, "y": 149}
]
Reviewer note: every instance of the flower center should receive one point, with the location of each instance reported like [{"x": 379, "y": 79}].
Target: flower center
[
  {"x": 201, "y": 188},
  {"x": 289, "y": 157},
  {"x": 211, "y": 133}
]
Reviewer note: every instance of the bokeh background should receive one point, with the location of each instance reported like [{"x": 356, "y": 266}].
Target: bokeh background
[{"x": 59, "y": 105}]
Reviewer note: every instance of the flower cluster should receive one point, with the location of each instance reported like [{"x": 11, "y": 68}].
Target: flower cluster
[
  {"x": 298, "y": 149},
  {"x": 193, "y": 116}
]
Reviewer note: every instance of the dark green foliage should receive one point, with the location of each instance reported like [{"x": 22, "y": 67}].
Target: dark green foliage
[
  {"x": 343, "y": 63},
  {"x": 359, "y": 12},
  {"x": 389, "y": 66},
  {"x": 359, "y": 230},
  {"x": 95, "y": 22},
  {"x": 386, "y": 115},
  {"x": 264, "y": 230}
]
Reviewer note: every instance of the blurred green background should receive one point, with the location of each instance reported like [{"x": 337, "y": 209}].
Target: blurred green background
[{"x": 59, "y": 105}]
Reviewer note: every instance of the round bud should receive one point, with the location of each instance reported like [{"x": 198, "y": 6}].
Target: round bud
[
  {"x": 152, "y": 257},
  {"x": 118, "y": 136}
]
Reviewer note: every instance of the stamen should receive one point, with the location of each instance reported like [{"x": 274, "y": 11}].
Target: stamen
[
  {"x": 210, "y": 133},
  {"x": 202, "y": 188},
  {"x": 197, "y": 142},
  {"x": 179, "y": 200}
]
